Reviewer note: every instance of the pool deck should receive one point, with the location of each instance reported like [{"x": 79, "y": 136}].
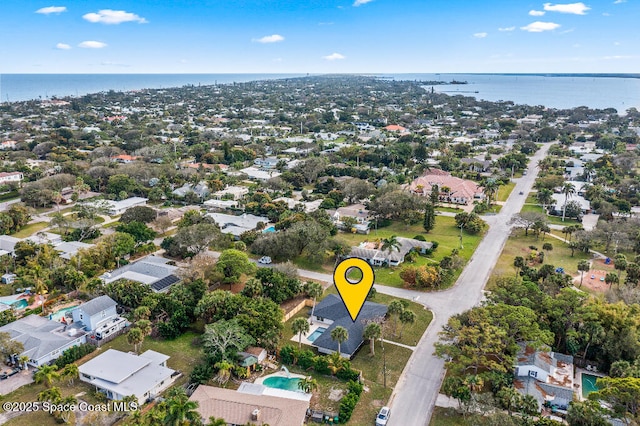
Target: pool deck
[
  {"x": 312, "y": 327},
  {"x": 578, "y": 380}
]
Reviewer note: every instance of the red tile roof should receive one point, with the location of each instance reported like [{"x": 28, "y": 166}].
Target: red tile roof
[{"x": 459, "y": 188}]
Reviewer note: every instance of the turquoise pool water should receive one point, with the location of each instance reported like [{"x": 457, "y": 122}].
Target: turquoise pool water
[
  {"x": 318, "y": 331},
  {"x": 285, "y": 383},
  {"x": 20, "y": 304},
  {"x": 57, "y": 316},
  {"x": 269, "y": 229},
  {"x": 588, "y": 384}
]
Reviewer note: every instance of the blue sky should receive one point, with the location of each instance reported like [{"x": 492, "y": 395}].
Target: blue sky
[{"x": 318, "y": 36}]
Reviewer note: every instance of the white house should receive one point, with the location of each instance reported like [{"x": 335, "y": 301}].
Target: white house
[
  {"x": 43, "y": 340},
  {"x": 237, "y": 225},
  {"x": 151, "y": 270},
  {"x": 119, "y": 374},
  {"x": 7, "y": 177},
  {"x": 118, "y": 207}
]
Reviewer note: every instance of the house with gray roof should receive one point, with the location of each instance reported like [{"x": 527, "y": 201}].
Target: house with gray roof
[
  {"x": 95, "y": 312},
  {"x": 372, "y": 251},
  {"x": 201, "y": 190},
  {"x": 8, "y": 244},
  {"x": 545, "y": 375},
  {"x": 151, "y": 270},
  {"x": 332, "y": 313},
  {"x": 237, "y": 225},
  {"x": 120, "y": 374},
  {"x": 43, "y": 340}
]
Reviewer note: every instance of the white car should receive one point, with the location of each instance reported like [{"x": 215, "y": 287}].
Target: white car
[
  {"x": 383, "y": 416},
  {"x": 265, "y": 260}
]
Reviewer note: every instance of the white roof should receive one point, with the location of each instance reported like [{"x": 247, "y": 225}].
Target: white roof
[{"x": 256, "y": 173}]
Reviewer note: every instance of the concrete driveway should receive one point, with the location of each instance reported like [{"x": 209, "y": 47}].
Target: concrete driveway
[{"x": 12, "y": 383}]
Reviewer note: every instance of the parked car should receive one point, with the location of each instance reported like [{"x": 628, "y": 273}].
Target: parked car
[
  {"x": 383, "y": 416},
  {"x": 265, "y": 260},
  {"x": 14, "y": 372},
  {"x": 3, "y": 376},
  {"x": 521, "y": 193}
]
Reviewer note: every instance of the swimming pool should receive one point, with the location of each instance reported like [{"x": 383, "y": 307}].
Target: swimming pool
[
  {"x": 588, "y": 384},
  {"x": 317, "y": 332},
  {"x": 57, "y": 316},
  {"x": 20, "y": 304},
  {"x": 290, "y": 384},
  {"x": 269, "y": 229}
]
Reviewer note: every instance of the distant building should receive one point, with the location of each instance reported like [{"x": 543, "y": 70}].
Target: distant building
[
  {"x": 258, "y": 174},
  {"x": 237, "y": 225},
  {"x": 118, "y": 207},
  {"x": 8, "y": 244},
  {"x": 9, "y": 177},
  {"x": 451, "y": 189},
  {"x": 151, "y": 270},
  {"x": 373, "y": 254},
  {"x": 124, "y": 158}
]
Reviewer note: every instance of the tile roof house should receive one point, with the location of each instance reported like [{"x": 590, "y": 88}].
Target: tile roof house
[
  {"x": 372, "y": 253},
  {"x": 152, "y": 270},
  {"x": 43, "y": 340},
  {"x": 460, "y": 191},
  {"x": 6, "y": 177},
  {"x": 120, "y": 374},
  {"x": 332, "y": 313},
  {"x": 238, "y": 408},
  {"x": 547, "y": 376}
]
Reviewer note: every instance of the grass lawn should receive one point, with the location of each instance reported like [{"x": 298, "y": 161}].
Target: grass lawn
[
  {"x": 30, "y": 229},
  {"x": 447, "y": 417},
  {"x": 371, "y": 366},
  {"x": 448, "y": 209},
  {"x": 518, "y": 245},
  {"x": 504, "y": 191},
  {"x": 445, "y": 233},
  {"x": 555, "y": 220}
]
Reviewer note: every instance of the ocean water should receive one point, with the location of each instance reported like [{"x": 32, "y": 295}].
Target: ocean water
[
  {"x": 554, "y": 91},
  {"x": 23, "y": 87}
]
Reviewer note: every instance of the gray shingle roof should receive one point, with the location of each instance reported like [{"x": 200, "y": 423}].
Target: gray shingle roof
[
  {"x": 97, "y": 305},
  {"x": 331, "y": 307}
]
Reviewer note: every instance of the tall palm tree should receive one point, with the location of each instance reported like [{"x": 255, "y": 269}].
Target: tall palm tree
[
  {"x": 611, "y": 278},
  {"x": 145, "y": 326},
  {"x": 135, "y": 337},
  {"x": 23, "y": 359},
  {"x": 490, "y": 189},
  {"x": 545, "y": 197},
  {"x": 395, "y": 308},
  {"x": 67, "y": 402},
  {"x": 300, "y": 326},
  {"x": 70, "y": 372},
  {"x": 224, "y": 371},
  {"x": 52, "y": 395},
  {"x": 583, "y": 266},
  {"x": 46, "y": 374},
  {"x": 568, "y": 189},
  {"x": 216, "y": 422},
  {"x": 339, "y": 334},
  {"x": 406, "y": 317},
  {"x": 180, "y": 410},
  {"x": 372, "y": 331},
  {"x": 390, "y": 244},
  {"x": 313, "y": 290}
]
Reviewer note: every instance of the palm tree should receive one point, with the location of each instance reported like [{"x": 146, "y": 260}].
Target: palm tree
[
  {"x": 145, "y": 326},
  {"x": 583, "y": 266},
  {"x": 474, "y": 383},
  {"x": 372, "y": 331},
  {"x": 23, "y": 359},
  {"x": 224, "y": 371},
  {"x": 490, "y": 189},
  {"x": 313, "y": 290},
  {"x": 545, "y": 197},
  {"x": 390, "y": 243},
  {"x": 67, "y": 402},
  {"x": 568, "y": 189},
  {"x": 611, "y": 278},
  {"x": 46, "y": 374},
  {"x": 339, "y": 334},
  {"x": 406, "y": 317},
  {"x": 216, "y": 422},
  {"x": 135, "y": 338},
  {"x": 70, "y": 372},
  {"x": 180, "y": 410},
  {"x": 300, "y": 326},
  {"x": 308, "y": 384},
  {"x": 394, "y": 310},
  {"x": 52, "y": 395}
]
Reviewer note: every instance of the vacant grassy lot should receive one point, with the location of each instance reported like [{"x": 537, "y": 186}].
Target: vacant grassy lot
[
  {"x": 504, "y": 191},
  {"x": 445, "y": 233},
  {"x": 555, "y": 220},
  {"x": 518, "y": 245},
  {"x": 447, "y": 417}
]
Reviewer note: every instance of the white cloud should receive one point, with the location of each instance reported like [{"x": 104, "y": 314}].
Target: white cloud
[
  {"x": 51, "y": 9},
  {"x": 619, "y": 1},
  {"x": 90, "y": 44},
  {"x": 361, "y": 2},
  {"x": 111, "y": 17},
  {"x": 334, "y": 57},
  {"x": 274, "y": 38},
  {"x": 480, "y": 35},
  {"x": 536, "y": 12},
  {"x": 538, "y": 27},
  {"x": 506, "y": 29},
  {"x": 63, "y": 46},
  {"x": 573, "y": 8}
]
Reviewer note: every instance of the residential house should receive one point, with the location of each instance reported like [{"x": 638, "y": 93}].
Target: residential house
[
  {"x": 11, "y": 177},
  {"x": 43, "y": 340},
  {"x": 239, "y": 408},
  {"x": 547, "y": 376},
  {"x": 151, "y": 270},
  {"x": 8, "y": 244},
  {"x": 331, "y": 312},
  {"x": 237, "y": 225},
  {"x": 201, "y": 190},
  {"x": 234, "y": 193},
  {"x": 8, "y": 144},
  {"x": 356, "y": 211},
  {"x": 124, "y": 158},
  {"x": 68, "y": 249},
  {"x": 578, "y": 196},
  {"x": 115, "y": 208},
  {"x": 95, "y": 312},
  {"x": 451, "y": 189},
  {"x": 120, "y": 374},
  {"x": 258, "y": 174},
  {"x": 372, "y": 251},
  {"x": 268, "y": 163},
  {"x": 476, "y": 165}
]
